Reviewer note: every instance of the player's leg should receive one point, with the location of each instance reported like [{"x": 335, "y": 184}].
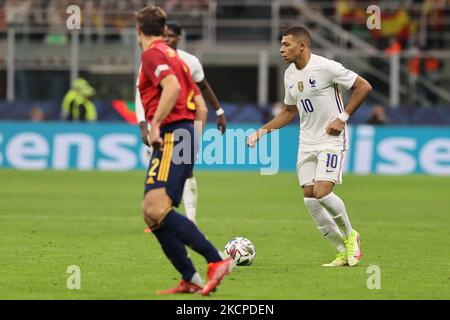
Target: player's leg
[
  {"x": 323, "y": 192},
  {"x": 306, "y": 167},
  {"x": 190, "y": 197},
  {"x": 325, "y": 224},
  {"x": 188, "y": 233},
  {"x": 190, "y": 192},
  {"x": 328, "y": 173},
  {"x": 148, "y": 157},
  {"x": 172, "y": 175},
  {"x": 155, "y": 206}
]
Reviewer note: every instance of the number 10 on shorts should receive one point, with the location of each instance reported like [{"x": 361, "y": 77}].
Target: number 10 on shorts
[{"x": 332, "y": 160}]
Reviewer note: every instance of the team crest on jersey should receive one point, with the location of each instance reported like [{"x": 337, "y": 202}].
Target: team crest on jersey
[{"x": 300, "y": 86}]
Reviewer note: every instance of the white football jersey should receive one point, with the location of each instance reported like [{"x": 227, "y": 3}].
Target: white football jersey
[
  {"x": 195, "y": 69},
  {"x": 315, "y": 90}
]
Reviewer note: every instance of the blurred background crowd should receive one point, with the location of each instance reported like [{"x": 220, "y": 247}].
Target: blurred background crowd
[{"x": 407, "y": 59}]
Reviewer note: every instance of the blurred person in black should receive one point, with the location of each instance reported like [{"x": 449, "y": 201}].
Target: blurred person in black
[{"x": 377, "y": 116}]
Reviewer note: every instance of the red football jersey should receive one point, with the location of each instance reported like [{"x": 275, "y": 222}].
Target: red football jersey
[{"x": 158, "y": 61}]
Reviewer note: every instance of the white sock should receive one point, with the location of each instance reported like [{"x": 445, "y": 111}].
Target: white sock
[
  {"x": 190, "y": 198},
  {"x": 336, "y": 207},
  {"x": 326, "y": 226},
  {"x": 196, "y": 279}
]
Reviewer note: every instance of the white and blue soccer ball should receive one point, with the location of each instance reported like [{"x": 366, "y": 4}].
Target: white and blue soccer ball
[{"x": 241, "y": 250}]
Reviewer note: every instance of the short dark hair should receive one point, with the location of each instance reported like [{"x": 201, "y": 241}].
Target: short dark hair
[
  {"x": 151, "y": 20},
  {"x": 174, "y": 27},
  {"x": 299, "y": 32}
]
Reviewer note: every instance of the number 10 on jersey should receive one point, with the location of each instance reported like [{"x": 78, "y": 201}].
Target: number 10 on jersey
[{"x": 307, "y": 105}]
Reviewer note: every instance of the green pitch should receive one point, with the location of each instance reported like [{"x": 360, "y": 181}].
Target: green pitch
[{"x": 52, "y": 220}]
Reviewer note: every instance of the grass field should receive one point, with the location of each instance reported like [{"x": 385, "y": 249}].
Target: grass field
[{"x": 51, "y": 220}]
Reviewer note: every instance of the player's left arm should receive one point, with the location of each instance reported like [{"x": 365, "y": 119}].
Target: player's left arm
[
  {"x": 360, "y": 90},
  {"x": 211, "y": 97}
]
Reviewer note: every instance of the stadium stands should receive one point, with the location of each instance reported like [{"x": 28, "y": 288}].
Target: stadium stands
[{"x": 229, "y": 35}]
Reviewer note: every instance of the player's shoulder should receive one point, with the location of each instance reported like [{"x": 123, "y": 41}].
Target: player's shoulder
[
  {"x": 315, "y": 63},
  {"x": 183, "y": 53},
  {"x": 159, "y": 49},
  {"x": 153, "y": 52},
  {"x": 186, "y": 56},
  {"x": 327, "y": 63},
  {"x": 290, "y": 70},
  {"x": 321, "y": 62}
]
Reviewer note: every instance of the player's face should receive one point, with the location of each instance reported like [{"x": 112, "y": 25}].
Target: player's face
[
  {"x": 291, "y": 48},
  {"x": 171, "y": 39}
]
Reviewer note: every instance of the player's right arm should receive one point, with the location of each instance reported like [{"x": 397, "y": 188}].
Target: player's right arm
[
  {"x": 156, "y": 68},
  {"x": 286, "y": 115},
  {"x": 170, "y": 90}
]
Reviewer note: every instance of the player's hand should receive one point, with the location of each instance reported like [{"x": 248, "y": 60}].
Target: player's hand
[
  {"x": 253, "y": 139},
  {"x": 335, "y": 128},
  {"x": 155, "y": 139},
  {"x": 222, "y": 123},
  {"x": 144, "y": 135}
]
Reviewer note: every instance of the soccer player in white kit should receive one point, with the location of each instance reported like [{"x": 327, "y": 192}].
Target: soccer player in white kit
[
  {"x": 172, "y": 38},
  {"x": 312, "y": 88}
]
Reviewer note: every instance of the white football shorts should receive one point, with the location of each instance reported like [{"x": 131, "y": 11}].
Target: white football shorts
[{"x": 320, "y": 166}]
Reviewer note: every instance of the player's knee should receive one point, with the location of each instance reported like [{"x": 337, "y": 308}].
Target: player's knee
[
  {"x": 151, "y": 211},
  {"x": 322, "y": 188},
  {"x": 308, "y": 192},
  {"x": 319, "y": 194}
]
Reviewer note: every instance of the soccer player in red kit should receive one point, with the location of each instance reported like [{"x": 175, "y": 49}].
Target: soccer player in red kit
[{"x": 167, "y": 92}]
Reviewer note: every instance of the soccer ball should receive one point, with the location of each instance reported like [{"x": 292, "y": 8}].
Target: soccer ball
[{"x": 241, "y": 250}]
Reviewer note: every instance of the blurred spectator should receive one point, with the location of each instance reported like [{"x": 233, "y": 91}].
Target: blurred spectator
[
  {"x": 429, "y": 67},
  {"x": 272, "y": 111},
  {"x": 435, "y": 12},
  {"x": 110, "y": 20},
  {"x": 37, "y": 114},
  {"x": 377, "y": 116},
  {"x": 2, "y": 19},
  {"x": 170, "y": 5},
  {"x": 396, "y": 26},
  {"x": 194, "y": 7},
  {"x": 349, "y": 14},
  {"x": 77, "y": 104},
  {"x": 16, "y": 12},
  {"x": 56, "y": 20}
]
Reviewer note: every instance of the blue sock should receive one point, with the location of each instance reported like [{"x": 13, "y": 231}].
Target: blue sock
[
  {"x": 175, "y": 250},
  {"x": 188, "y": 233}
]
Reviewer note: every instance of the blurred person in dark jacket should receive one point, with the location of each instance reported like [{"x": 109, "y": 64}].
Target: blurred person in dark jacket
[{"x": 377, "y": 116}]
